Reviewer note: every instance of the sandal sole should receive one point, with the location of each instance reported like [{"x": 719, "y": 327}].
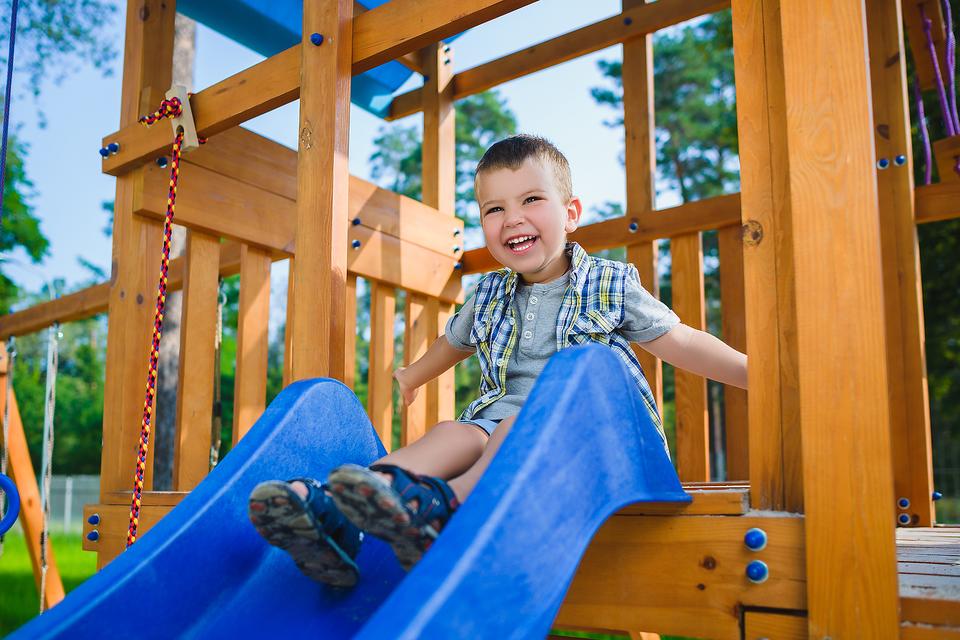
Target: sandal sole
[
  {"x": 373, "y": 506},
  {"x": 278, "y": 514}
]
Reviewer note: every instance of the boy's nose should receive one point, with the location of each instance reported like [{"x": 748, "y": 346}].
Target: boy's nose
[{"x": 514, "y": 217}]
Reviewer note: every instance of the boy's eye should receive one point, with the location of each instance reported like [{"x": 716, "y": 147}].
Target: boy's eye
[
  {"x": 494, "y": 209},
  {"x": 529, "y": 198}
]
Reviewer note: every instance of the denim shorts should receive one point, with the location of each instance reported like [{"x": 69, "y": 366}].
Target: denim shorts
[{"x": 487, "y": 425}]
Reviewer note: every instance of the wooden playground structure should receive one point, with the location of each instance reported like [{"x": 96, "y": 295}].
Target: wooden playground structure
[{"x": 820, "y": 285}]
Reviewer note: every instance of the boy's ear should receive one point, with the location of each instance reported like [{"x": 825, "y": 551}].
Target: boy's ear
[{"x": 574, "y": 211}]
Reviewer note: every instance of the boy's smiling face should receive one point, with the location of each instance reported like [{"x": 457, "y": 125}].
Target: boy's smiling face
[{"x": 525, "y": 219}]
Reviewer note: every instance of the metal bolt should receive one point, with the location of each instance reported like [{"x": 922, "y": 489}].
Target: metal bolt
[
  {"x": 93, "y": 536},
  {"x": 316, "y": 39},
  {"x": 755, "y": 539},
  {"x": 900, "y": 160},
  {"x": 104, "y": 152},
  {"x": 903, "y": 519},
  {"x": 355, "y": 244},
  {"x": 634, "y": 226},
  {"x": 446, "y": 48},
  {"x": 113, "y": 147},
  {"x": 456, "y": 249},
  {"x": 758, "y": 571},
  {"x": 162, "y": 161},
  {"x": 355, "y": 221},
  {"x": 446, "y": 61},
  {"x": 883, "y": 163},
  {"x": 456, "y": 232},
  {"x": 903, "y": 503},
  {"x": 94, "y": 519}
]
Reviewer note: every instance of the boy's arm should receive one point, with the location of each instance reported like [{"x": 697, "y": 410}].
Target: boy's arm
[
  {"x": 439, "y": 357},
  {"x": 701, "y": 353}
]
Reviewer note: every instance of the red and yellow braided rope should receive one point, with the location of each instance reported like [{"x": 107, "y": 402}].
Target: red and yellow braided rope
[{"x": 168, "y": 108}]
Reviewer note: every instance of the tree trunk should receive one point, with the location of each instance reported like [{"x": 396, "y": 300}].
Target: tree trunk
[{"x": 184, "y": 50}]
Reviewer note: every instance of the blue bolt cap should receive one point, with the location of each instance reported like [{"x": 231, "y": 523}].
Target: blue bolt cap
[
  {"x": 900, "y": 160},
  {"x": 113, "y": 147},
  {"x": 628, "y": 21},
  {"x": 458, "y": 266},
  {"x": 758, "y": 571},
  {"x": 903, "y": 518},
  {"x": 93, "y": 536},
  {"x": 883, "y": 163},
  {"x": 316, "y": 39},
  {"x": 104, "y": 152},
  {"x": 634, "y": 226},
  {"x": 355, "y": 244},
  {"x": 755, "y": 539},
  {"x": 94, "y": 519},
  {"x": 162, "y": 161},
  {"x": 903, "y": 503},
  {"x": 937, "y": 495},
  {"x": 355, "y": 221}
]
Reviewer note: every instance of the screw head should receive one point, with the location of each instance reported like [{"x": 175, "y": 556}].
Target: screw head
[
  {"x": 903, "y": 519},
  {"x": 755, "y": 539},
  {"x": 355, "y": 244},
  {"x": 758, "y": 571},
  {"x": 316, "y": 39},
  {"x": 883, "y": 163},
  {"x": 456, "y": 249},
  {"x": 903, "y": 503},
  {"x": 900, "y": 160},
  {"x": 456, "y": 232}
]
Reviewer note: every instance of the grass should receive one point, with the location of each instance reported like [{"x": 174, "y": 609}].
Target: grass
[{"x": 20, "y": 602}]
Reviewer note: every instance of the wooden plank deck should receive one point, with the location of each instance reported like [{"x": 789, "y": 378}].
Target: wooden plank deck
[{"x": 928, "y": 564}]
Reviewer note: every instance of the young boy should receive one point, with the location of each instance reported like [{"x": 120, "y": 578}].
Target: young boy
[{"x": 549, "y": 295}]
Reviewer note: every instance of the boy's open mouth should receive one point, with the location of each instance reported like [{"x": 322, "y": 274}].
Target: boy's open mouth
[{"x": 521, "y": 244}]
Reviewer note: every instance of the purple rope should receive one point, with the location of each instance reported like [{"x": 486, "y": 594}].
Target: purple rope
[
  {"x": 952, "y": 64},
  {"x": 924, "y": 134},
  {"x": 932, "y": 49},
  {"x": 6, "y": 105}
]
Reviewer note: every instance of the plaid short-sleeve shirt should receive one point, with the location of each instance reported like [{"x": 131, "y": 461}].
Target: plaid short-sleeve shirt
[{"x": 591, "y": 311}]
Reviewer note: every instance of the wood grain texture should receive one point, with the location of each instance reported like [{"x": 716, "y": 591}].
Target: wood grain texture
[
  {"x": 383, "y": 309},
  {"x": 909, "y": 403},
  {"x": 250, "y": 386},
  {"x": 733, "y": 317},
  {"x": 419, "y": 325},
  {"x": 198, "y": 365},
  {"x": 845, "y": 420}
]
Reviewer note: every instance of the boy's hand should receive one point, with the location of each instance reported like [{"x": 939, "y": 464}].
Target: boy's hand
[{"x": 407, "y": 392}]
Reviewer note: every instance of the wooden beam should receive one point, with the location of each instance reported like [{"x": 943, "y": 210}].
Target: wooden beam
[
  {"x": 693, "y": 424},
  {"x": 382, "y": 34},
  {"x": 640, "y": 161},
  {"x": 734, "y": 321},
  {"x": 717, "y": 501},
  {"x": 937, "y": 202},
  {"x": 902, "y": 293},
  {"x": 147, "y": 66},
  {"x": 852, "y": 588},
  {"x": 701, "y": 215},
  {"x": 918, "y": 39},
  {"x": 21, "y": 472},
  {"x": 773, "y": 403},
  {"x": 683, "y": 575},
  {"x": 409, "y": 60},
  {"x": 783, "y": 626},
  {"x": 350, "y": 333},
  {"x": 250, "y": 387},
  {"x": 383, "y": 306},
  {"x": 419, "y": 325},
  {"x": 191, "y": 455},
  {"x": 632, "y": 23}
]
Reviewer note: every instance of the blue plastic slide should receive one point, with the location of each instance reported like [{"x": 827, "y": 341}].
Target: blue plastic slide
[{"x": 582, "y": 447}]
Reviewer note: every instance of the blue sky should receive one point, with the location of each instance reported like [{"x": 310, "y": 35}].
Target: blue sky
[{"x": 64, "y": 165}]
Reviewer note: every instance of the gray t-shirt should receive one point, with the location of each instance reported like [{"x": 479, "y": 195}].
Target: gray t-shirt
[{"x": 537, "y": 306}]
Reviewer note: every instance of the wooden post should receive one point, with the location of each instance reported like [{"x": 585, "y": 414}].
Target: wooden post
[
  {"x": 191, "y": 455},
  {"x": 147, "y": 69},
  {"x": 773, "y": 401},
  {"x": 902, "y": 294},
  {"x": 323, "y": 174},
  {"x": 734, "y": 334},
  {"x": 419, "y": 326},
  {"x": 640, "y": 159},
  {"x": 350, "y": 333},
  {"x": 841, "y": 365},
  {"x": 20, "y": 470},
  {"x": 383, "y": 309},
  {"x": 250, "y": 386},
  {"x": 439, "y": 191},
  {"x": 693, "y": 424}
]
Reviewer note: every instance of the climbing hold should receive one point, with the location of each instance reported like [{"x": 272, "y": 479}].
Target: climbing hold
[
  {"x": 355, "y": 244},
  {"x": 883, "y": 163},
  {"x": 316, "y": 39},
  {"x": 758, "y": 571},
  {"x": 93, "y": 536},
  {"x": 900, "y": 160},
  {"x": 104, "y": 152},
  {"x": 634, "y": 226},
  {"x": 94, "y": 519},
  {"x": 162, "y": 162},
  {"x": 936, "y": 495},
  {"x": 355, "y": 221},
  {"x": 113, "y": 147},
  {"x": 755, "y": 539},
  {"x": 904, "y": 519},
  {"x": 903, "y": 503}
]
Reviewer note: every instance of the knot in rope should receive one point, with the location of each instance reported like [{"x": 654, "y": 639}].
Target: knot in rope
[{"x": 171, "y": 108}]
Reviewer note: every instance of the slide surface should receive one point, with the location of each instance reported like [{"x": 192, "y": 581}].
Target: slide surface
[{"x": 582, "y": 447}]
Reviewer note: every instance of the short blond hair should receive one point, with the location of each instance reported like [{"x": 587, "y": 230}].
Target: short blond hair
[{"x": 511, "y": 153}]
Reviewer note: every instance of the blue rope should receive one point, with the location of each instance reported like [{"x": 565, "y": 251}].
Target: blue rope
[{"x": 6, "y": 105}]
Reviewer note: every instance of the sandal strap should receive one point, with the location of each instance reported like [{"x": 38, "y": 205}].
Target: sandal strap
[
  {"x": 424, "y": 489},
  {"x": 328, "y": 517}
]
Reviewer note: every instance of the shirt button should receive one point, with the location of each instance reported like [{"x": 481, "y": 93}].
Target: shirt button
[
  {"x": 534, "y": 300},
  {"x": 530, "y": 316},
  {"x": 527, "y": 334}
]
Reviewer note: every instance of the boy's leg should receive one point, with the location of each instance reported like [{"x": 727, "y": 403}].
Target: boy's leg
[
  {"x": 446, "y": 451},
  {"x": 464, "y": 484}
]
